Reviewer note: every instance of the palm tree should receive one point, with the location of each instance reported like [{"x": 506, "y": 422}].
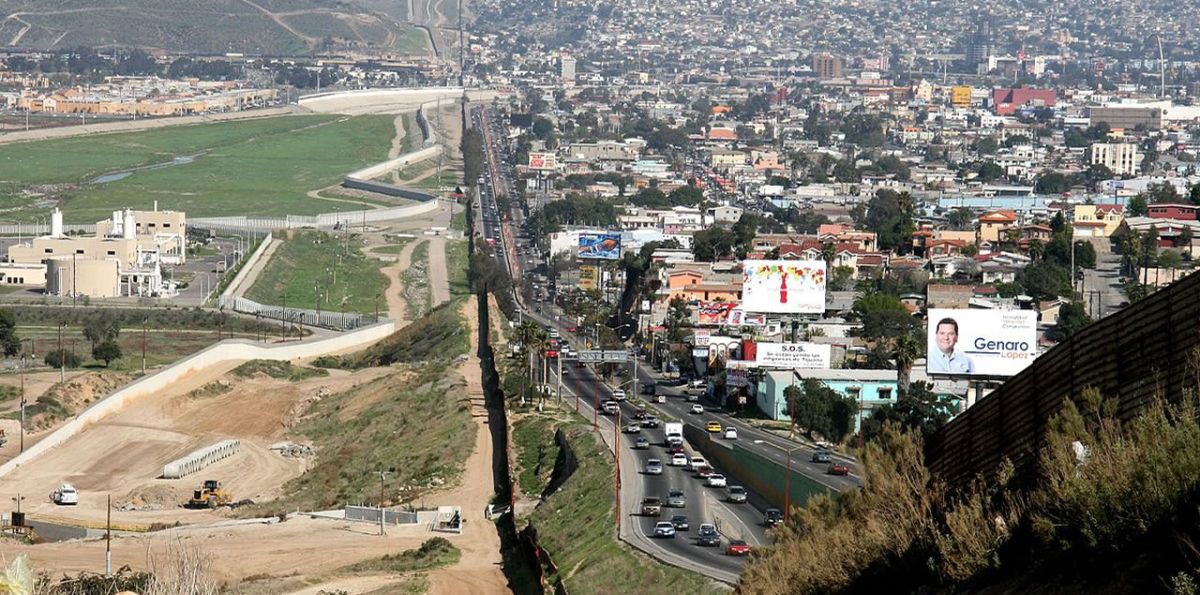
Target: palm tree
[
  {"x": 906, "y": 350},
  {"x": 532, "y": 338},
  {"x": 828, "y": 253}
]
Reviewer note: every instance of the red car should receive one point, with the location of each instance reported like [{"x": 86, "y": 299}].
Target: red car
[
  {"x": 571, "y": 329},
  {"x": 838, "y": 469},
  {"x": 738, "y": 547}
]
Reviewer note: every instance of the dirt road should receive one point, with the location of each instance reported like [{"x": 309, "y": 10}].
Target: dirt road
[
  {"x": 396, "y": 304},
  {"x": 478, "y": 572},
  {"x": 439, "y": 279}
]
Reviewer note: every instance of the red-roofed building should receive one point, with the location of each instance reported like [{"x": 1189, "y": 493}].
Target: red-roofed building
[
  {"x": 1175, "y": 211},
  {"x": 993, "y": 223},
  {"x": 1005, "y": 102}
]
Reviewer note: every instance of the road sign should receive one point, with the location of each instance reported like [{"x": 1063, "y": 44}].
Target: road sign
[
  {"x": 596, "y": 356},
  {"x": 591, "y": 356}
]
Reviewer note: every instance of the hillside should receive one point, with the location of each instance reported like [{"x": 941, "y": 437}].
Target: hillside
[{"x": 274, "y": 27}]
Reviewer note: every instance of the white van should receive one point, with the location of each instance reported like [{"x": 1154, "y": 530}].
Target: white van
[{"x": 65, "y": 495}]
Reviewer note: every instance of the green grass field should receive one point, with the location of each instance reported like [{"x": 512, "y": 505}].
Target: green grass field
[
  {"x": 260, "y": 167},
  {"x": 313, "y": 262}
]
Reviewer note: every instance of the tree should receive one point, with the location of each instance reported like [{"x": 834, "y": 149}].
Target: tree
[
  {"x": 686, "y": 196},
  {"x": 107, "y": 351},
  {"x": 882, "y": 315},
  {"x": 961, "y": 219},
  {"x": 542, "y": 128},
  {"x": 1052, "y": 182},
  {"x": 710, "y": 244},
  {"x": 9, "y": 341},
  {"x": 101, "y": 328},
  {"x": 1045, "y": 280},
  {"x": 1185, "y": 238},
  {"x": 889, "y": 215},
  {"x": 1072, "y": 318},
  {"x": 651, "y": 198},
  {"x": 60, "y": 358},
  {"x": 908, "y": 348},
  {"x": 842, "y": 278},
  {"x": 922, "y": 410},
  {"x": 679, "y": 317},
  {"x": 820, "y": 409},
  {"x": 1138, "y": 206},
  {"x": 986, "y": 146}
]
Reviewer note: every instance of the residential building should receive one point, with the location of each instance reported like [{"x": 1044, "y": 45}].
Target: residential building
[
  {"x": 993, "y": 224},
  {"x": 827, "y": 66},
  {"x": 1097, "y": 221},
  {"x": 1122, "y": 159},
  {"x": 869, "y": 388}
]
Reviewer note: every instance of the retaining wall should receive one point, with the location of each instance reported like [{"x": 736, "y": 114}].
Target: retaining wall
[
  {"x": 757, "y": 473},
  {"x": 245, "y": 270},
  {"x": 374, "y": 171},
  {"x": 324, "y": 220},
  {"x": 232, "y": 350}
]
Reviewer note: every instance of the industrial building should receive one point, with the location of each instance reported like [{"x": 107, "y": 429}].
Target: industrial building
[{"x": 124, "y": 258}]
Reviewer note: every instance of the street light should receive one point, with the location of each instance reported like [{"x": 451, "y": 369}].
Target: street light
[{"x": 787, "y": 482}]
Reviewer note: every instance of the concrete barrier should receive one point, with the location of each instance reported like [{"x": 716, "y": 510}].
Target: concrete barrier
[
  {"x": 374, "y": 171},
  {"x": 246, "y": 267},
  {"x": 231, "y": 350},
  {"x": 199, "y": 459}
]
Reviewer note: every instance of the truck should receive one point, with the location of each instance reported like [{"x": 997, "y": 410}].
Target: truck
[{"x": 673, "y": 432}]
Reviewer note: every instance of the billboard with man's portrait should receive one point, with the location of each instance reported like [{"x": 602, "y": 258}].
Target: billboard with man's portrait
[{"x": 980, "y": 342}]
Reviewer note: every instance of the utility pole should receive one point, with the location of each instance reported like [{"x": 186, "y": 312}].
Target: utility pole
[
  {"x": 559, "y": 379},
  {"x": 382, "y": 474},
  {"x": 145, "y": 324},
  {"x": 283, "y": 319},
  {"x": 108, "y": 539},
  {"x": 62, "y": 361},
  {"x": 22, "y": 437},
  {"x": 617, "y": 449}
]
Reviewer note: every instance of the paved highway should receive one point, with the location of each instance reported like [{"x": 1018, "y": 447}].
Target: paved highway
[{"x": 703, "y": 505}]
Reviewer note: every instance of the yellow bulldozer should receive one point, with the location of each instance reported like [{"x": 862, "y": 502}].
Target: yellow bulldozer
[{"x": 210, "y": 495}]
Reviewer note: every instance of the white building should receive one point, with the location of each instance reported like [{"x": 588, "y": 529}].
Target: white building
[{"x": 1122, "y": 158}]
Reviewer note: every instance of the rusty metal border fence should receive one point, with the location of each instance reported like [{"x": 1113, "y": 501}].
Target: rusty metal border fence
[{"x": 1133, "y": 355}]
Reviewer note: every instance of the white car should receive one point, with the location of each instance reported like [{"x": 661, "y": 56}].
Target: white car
[
  {"x": 679, "y": 460},
  {"x": 716, "y": 480},
  {"x": 697, "y": 408},
  {"x": 664, "y": 529},
  {"x": 696, "y": 463},
  {"x": 654, "y": 467},
  {"x": 65, "y": 495},
  {"x": 731, "y": 433},
  {"x": 619, "y": 395}
]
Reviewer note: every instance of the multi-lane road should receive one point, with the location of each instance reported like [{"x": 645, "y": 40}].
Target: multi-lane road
[{"x": 703, "y": 505}]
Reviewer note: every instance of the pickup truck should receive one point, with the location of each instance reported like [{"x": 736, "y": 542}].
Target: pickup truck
[{"x": 652, "y": 507}]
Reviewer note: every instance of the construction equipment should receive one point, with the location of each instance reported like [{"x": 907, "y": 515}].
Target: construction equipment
[{"x": 210, "y": 495}]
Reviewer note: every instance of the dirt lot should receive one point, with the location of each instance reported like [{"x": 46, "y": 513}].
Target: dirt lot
[{"x": 124, "y": 454}]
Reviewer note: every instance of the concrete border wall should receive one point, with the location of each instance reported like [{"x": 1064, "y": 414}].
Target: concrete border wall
[
  {"x": 374, "y": 171},
  {"x": 324, "y": 220},
  {"x": 231, "y": 350},
  {"x": 246, "y": 267}
]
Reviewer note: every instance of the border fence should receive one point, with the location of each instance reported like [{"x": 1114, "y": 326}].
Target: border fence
[
  {"x": 335, "y": 320},
  {"x": 1135, "y": 355}
]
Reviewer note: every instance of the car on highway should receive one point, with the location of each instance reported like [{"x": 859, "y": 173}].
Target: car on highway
[
  {"x": 676, "y": 499},
  {"x": 736, "y": 494},
  {"x": 716, "y": 480},
  {"x": 713, "y": 427},
  {"x": 737, "y": 547},
  {"x": 730, "y": 433},
  {"x": 664, "y": 529},
  {"x": 680, "y": 522},
  {"x": 641, "y": 443},
  {"x": 651, "y": 422},
  {"x": 679, "y": 460},
  {"x": 838, "y": 469},
  {"x": 618, "y": 395},
  {"x": 698, "y": 409},
  {"x": 708, "y": 536},
  {"x": 696, "y": 383},
  {"x": 648, "y": 388},
  {"x": 693, "y": 397},
  {"x": 696, "y": 462},
  {"x": 822, "y": 456},
  {"x": 639, "y": 413},
  {"x": 611, "y": 407},
  {"x": 772, "y": 517},
  {"x": 632, "y": 429},
  {"x": 651, "y": 506},
  {"x": 703, "y": 471},
  {"x": 654, "y": 467},
  {"x": 675, "y": 447}
]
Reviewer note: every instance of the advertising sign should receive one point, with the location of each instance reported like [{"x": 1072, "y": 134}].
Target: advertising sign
[
  {"x": 739, "y": 317},
  {"x": 714, "y": 313},
  {"x": 783, "y": 286},
  {"x": 542, "y": 161},
  {"x": 793, "y": 356},
  {"x": 604, "y": 246},
  {"x": 737, "y": 377},
  {"x": 587, "y": 277},
  {"x": 980, "y": 342}
]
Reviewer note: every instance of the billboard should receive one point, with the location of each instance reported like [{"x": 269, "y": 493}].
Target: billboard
[
  {"x": 783, "y": 286},
  {"x": 542, "y": 161},
  {"x": 980, "y": 342},
  {"x": 726, "y": 314},
  {"x": 603, "y": 246},
  {"x": 714, "y": 313},
  {"x": 813, "y": 356},
  {"x": 587, "y": 277}
]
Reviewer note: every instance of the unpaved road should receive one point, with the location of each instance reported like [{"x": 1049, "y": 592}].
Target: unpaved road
[{"x": 478, "y": 571}]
